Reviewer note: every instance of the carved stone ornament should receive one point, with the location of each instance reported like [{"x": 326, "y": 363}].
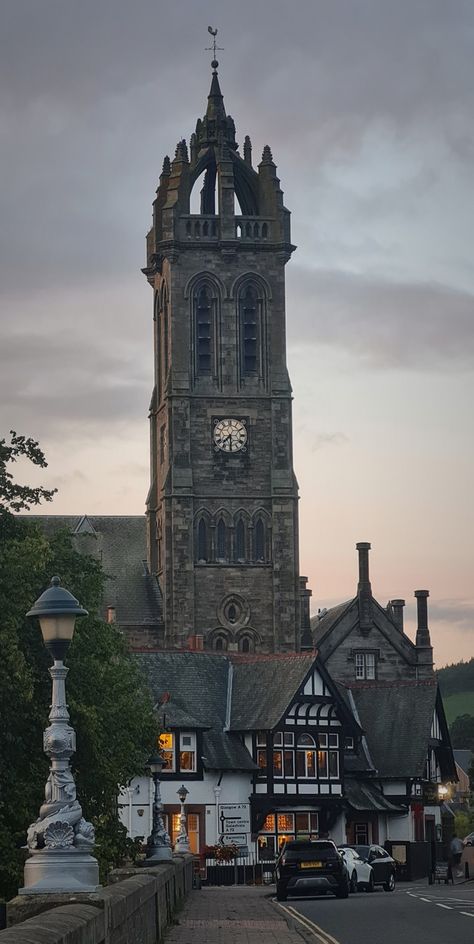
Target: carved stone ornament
[{"x": 58, "y": 835}]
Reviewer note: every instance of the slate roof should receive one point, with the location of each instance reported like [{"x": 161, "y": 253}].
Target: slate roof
[
  {"x": 191, "y": 689},
  {"x": 120, "y": 544},
  {"x": 464, "y": 759},
  {"x": 320, "y": 625},
  {"x": 397, "y": 717},
  {"x": 263, "y": 687},
  {"x": 364, "y": 796}
]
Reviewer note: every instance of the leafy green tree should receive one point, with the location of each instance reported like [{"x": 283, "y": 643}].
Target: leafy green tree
[
  {"x": 462, "y": 733},
  {"x": 110, "y": 710}
]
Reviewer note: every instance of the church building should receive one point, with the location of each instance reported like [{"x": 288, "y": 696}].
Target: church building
[{"x": 307, "y": 726}]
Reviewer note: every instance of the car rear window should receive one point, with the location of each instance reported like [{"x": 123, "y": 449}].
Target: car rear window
[{"x": 321, "y": 850}]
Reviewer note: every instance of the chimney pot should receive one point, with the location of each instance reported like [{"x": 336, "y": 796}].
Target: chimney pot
[{"x": 397, "y": 612}]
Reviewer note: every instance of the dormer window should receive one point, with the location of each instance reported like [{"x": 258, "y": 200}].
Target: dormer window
[{"x": 187, "y": 751}]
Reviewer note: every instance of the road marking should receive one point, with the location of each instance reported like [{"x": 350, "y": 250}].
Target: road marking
[
  {"x": 322, "y": 936},
  {"x": 426, "y": 899},
  {"x": 329, "y": 937},
  {"x": 439, "y": 905},
  {"x": 468, "y": 914}
]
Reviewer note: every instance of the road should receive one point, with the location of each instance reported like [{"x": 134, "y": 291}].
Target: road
[{"x": 412, "y": 914}]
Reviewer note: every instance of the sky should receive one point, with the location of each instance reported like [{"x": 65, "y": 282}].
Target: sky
[{"x": 368, "y": 107}]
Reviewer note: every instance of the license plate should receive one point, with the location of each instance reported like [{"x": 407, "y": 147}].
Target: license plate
[{"x": 311, "y": 865}]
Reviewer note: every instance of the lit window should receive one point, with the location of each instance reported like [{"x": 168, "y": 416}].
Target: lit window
[
  {"x": 187, "y": 753},
  {"x": 166, "y": 747},
  {"x": 269, "y": 824},
  {"x": 286, "y": 822}
]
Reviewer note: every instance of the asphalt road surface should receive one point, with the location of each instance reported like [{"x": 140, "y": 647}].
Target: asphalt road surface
[{"x": 412, "y": 914}]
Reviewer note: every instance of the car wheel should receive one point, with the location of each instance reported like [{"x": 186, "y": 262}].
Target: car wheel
[
  {"x": 281, "y": 893},
  {"x": 343, "y": 890},
  {"x": 353, "y": 885},
  {"x": 390, "y": 885},
  {"x": 370, "y": 887}
]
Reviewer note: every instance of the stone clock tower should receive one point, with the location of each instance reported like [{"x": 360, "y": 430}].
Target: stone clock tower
[{"x": 223, "y": 501}]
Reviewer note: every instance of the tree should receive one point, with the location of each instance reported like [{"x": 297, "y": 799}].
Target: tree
[
  {"x": 462, "y": 733},
  {"x": 110, "y": 710},
  {"x": 15, "y": 497}
]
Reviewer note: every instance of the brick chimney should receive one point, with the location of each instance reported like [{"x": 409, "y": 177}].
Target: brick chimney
[
  {"x": 423, "y": 641},
  {"x": 396, "y": 607},
  {"x": 364, "y": 590}
]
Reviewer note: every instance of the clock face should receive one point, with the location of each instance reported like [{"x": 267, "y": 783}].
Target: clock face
[{"x": 230, "y": 435}]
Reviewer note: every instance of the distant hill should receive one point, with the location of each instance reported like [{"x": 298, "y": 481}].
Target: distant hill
[{"x": 456, "y": 683}]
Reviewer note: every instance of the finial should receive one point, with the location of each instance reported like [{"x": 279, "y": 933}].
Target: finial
[
  {"x": 181, "y": 153},
  {"x": 248, "y": 150},
  {"x": 214, "y": 47},
  {"x": 267, "y": 155},
  {"x": 166, "y": 169}
]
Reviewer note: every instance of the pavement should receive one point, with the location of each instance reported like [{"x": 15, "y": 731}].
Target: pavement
[{"x": 233, "y": 915}]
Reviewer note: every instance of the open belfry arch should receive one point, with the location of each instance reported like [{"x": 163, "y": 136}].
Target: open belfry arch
[{"x": 222, "y": 507}]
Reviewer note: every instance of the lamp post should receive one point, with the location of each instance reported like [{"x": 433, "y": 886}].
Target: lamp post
[
  {"x": 182, "y": 841},
  {"x": 60, "y": 842},
  {"x": 158, "y": 845}
]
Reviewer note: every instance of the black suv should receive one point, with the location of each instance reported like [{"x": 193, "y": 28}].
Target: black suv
[{"x": 307, "y": 866}]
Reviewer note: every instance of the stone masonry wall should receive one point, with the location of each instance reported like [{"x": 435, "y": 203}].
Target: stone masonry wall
[{"x": 136, "y": 908}]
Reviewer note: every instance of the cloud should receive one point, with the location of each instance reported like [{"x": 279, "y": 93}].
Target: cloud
[
  {"x": 457, "y": 613},
  {"x": 383, "y": 323}
]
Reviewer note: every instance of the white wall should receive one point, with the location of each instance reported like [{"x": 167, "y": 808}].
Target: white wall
[{"x": 135, "y": 801}]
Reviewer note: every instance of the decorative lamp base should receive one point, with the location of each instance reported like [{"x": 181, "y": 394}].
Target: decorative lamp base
[
  {"x": 60, "y": 871},
  {"x": 157, "y": 854},
  {"x": 182, "y": 845}
]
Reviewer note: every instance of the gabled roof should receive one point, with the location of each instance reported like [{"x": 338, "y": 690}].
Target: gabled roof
[
  {"x": 324, "y": 622},
  {"x": 464, "y": 759},
  {"x": 264, "y": 686},
  {"x": 397, "y": 718}
]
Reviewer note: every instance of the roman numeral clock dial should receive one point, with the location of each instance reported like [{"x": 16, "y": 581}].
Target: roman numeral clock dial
[{"x": 230, "y": 435}]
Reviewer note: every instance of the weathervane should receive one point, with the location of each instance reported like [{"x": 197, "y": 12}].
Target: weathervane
[{"x": 214, "y": 46}]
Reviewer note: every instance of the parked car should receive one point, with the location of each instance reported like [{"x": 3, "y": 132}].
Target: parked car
[
  {"x": 361, "y": 874},
  {"x": 469, "y": 840},
  {"x": 306, "y": 866},
  {"x": 383, "y": 866}
]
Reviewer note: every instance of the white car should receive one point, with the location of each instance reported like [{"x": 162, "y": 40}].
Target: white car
[{"x": 361, "y": 874}]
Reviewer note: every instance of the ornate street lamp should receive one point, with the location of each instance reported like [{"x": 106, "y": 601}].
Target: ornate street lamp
[
  {"x": 182, "y": 841},
  {"x": 60, "y": 842},
  {"x": 158, "y": 846}
]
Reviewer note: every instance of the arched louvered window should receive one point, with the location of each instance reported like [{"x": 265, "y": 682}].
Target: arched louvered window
[
  {"x": 202, "y": 541},
  {"x": 204, "y": 330},
  {"x": 249, "y": 329},
  {"x": 240, "y": 541},
  {"x": 260, "y": 540},
  {"x": 220, "y": 643},
  {"x": 221, "y": 540}
]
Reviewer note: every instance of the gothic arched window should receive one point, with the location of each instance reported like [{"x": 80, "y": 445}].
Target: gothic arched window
[
  {"x": 246, "y": 644},
  {"x": 221, "y": 548},
  {"x": 220, "y": 642},
  {"x": 202, "y": 541},
  {"x": 240, "y": 541},
  {"x": 249, "y": 329},
  {"x": 260, "y": 540},
  {"x": 204, "y": 330}
]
